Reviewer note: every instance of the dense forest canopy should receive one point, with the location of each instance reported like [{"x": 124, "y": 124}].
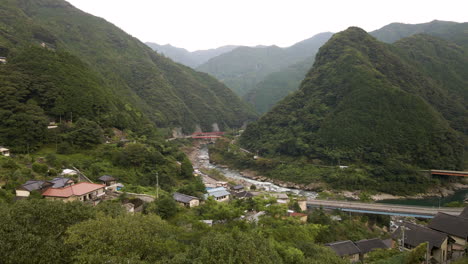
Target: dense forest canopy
[
  {"x": 364, "y": 101},
  {"x": 169, "y": 94}
]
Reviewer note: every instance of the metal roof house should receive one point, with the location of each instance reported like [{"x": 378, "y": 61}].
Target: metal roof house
[
  {"x": 107, "y": 180},
  {"x": 368, "y": 245},
  {"x": 220, "y": 194},
  {"x": 186, "y": 200},
  {"x": 345, "y": 249},
  {"x": 454, "y": 226},
  {"x": 411, "y": 235}
]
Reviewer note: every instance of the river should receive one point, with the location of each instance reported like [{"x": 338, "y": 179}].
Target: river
[
  {"x": 458, "y": 196},
  {"x": 203, "y": 161}
]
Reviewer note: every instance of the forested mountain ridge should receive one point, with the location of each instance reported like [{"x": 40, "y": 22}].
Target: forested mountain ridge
[
  {"x": 244, "y": 67},
  {"x": 168, "y": 94},
  {"x": 191, "y": 59},
  {"x": 362, "y": 102},
  {"x": 396, "y": 31}
]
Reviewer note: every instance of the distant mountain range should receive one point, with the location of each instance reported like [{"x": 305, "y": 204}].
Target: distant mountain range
[
  {"x": 365, "y": 101},
  {"x": 264, "y": 75},
  {"x": 191, "y": 59}
]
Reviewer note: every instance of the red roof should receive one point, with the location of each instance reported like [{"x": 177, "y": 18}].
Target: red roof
[
  {"x": 297, "y": 214},
  {"x": 76, "y": 189}
]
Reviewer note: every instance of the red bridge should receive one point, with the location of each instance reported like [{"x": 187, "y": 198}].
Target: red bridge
[
  {"x": 449, "y": 173},
  {"x": 207, "y": 135}
]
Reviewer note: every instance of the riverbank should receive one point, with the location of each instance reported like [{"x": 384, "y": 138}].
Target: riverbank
[{"x": 246, "y": 177}]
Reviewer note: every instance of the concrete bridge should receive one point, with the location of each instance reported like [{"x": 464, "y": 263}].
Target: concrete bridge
[{"x": 385, "y": 209}]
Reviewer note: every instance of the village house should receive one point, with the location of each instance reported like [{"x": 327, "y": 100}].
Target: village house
[
  {"x": 3, "y": 60},
  {"x": 107, "y": 180},
  {"x": 368, "y": 245},
  {"x": 220, "y": 194},
  {"x": 456, "y": 227},
  {"x": 186, "y": 200},
  {"x": 410, "y": 236},
  {"x": 83, "y": 191},
  {"x": 38, "y": 185},
  {"x": 281, "y": 198},
  {"x": 222, "y": 184},
  {"x": 4, "y": 151},
  {"x": 237, "y": 188},
  {"x": 346, "y": 250},
  {"x": 33, "y": 185}
]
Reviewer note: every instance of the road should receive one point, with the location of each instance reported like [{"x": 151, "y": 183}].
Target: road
[{"x": 384, "y": 208}]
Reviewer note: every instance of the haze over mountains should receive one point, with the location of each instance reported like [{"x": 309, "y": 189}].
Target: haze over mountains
[
  {"x": 266, "y": 77},
  {"x": 191, "y": 59}
]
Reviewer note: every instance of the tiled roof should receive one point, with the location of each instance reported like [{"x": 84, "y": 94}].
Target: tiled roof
[
  {"x": 183, "y": 198},
  {"x": 416, "y": 234},
  {"x": 344, "y": 248},
  {"x": 76, "y": 189},
  {"x": 33, "y": 185},
  {"x": 238, "y": 187},
  {"x": 106, "y": 178},
  {"x": 59, "y": 182},
  {"x": 450, "y": 224},
  {"x": 464, "y": 214},
  {"x": 367, "y": 245}
]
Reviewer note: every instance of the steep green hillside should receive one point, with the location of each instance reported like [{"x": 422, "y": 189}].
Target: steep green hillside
[
  {"x": 362, "y": 103},
  {"x": 191, "y": 59},
  {"x": 245, "y": 67},
  {"x": 278, "y": 85},
  {"x": 169, "y": 94}
]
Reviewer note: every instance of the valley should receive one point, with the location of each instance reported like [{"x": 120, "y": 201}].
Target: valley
[{"x": 345, "y": 147}]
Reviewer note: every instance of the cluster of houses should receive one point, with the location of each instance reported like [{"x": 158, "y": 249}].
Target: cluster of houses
[
  {"x": 446, "y": 236},
  {"x": 222, "y": 193},
  {"x": 67, "y": 189},
  {"x": 357, "y": 251}
]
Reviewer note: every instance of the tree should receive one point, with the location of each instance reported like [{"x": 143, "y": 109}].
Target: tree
[
  {"x": 165, "y": 207},
  {"x": 124, "y": 239}
]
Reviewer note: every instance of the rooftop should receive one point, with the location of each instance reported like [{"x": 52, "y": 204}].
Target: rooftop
[
  {"x": 450, "y": 224},
  {"x": 33, "y": 185},
  {"x": 416, "y": 234},
  {"x": 367, "y": 245},
  {"x": 107, "y": 178},
  {"x": 60, "y": 182},
  {"x": 183, "y": 198},
  {"x": 73, "y": 190},
  {"x": 238, "y": 187},
  {"x": 344, "y": 248},
  {"x": 464, "y": 214}
]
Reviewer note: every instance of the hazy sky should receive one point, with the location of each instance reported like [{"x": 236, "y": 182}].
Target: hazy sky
[{"x": 204, "y": 24}]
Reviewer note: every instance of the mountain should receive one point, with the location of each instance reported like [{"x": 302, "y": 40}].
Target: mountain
[
  {"x": 396, "y": 31},
  {"x": 191, "y": 59},
  {"x": 150, "y": 85},
  {"x": 244, "y": 67},
  {"x": 371, "y": 102},
  {"x": 278, "y": 85}
]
